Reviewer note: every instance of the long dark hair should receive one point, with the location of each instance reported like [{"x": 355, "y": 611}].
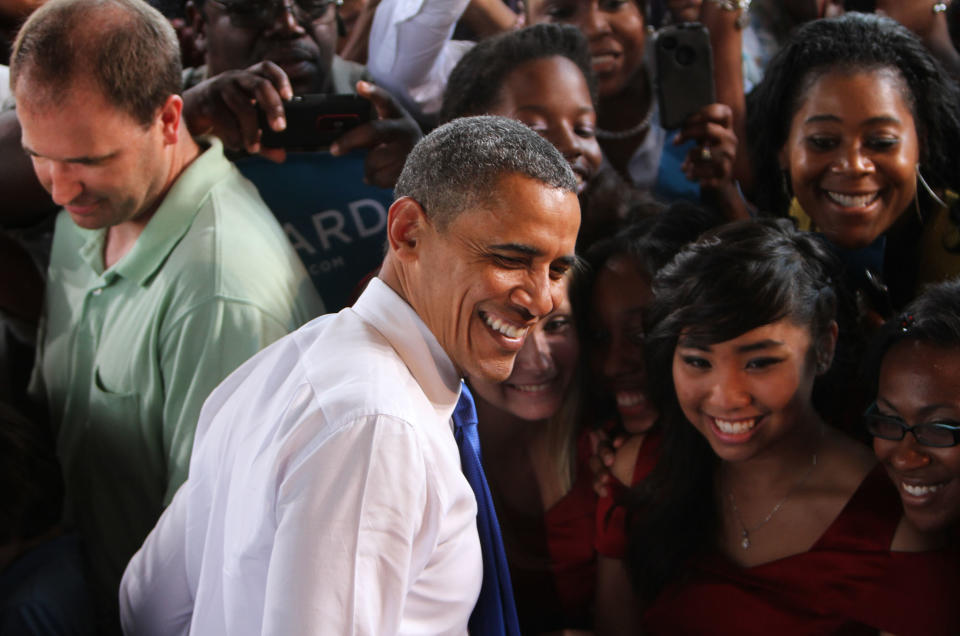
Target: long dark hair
[
  {"x": 850, "y": 43},
  {"x": 732, "y": 280}
]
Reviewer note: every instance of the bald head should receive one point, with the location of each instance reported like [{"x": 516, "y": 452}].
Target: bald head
[{"x": 124, "y": 48}]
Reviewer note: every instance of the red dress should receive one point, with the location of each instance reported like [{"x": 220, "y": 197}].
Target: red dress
[
  {"x": 848, "y": 583},
  {"x": 552, "y": 561}
]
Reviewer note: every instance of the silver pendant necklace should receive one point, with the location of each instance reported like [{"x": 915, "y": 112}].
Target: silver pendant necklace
[{"x": 744, "y": 531}]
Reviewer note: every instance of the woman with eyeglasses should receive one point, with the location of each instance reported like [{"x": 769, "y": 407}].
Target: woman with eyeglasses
[
  {"x": 759, "y": 518},
  {"x": 915, "y": 421}
]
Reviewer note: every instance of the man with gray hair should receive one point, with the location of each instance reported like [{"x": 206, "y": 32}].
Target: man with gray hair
[
  {"x": 167, "y": 270},
  {"x": 325, "y": 493}
]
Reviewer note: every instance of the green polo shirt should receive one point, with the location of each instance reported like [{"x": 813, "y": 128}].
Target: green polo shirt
[{"x": 127, "y": 356}]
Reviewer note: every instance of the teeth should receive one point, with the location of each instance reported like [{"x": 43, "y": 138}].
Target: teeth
[
  {"x": 735, "y": 427},
  {"x": 920, "y": 491},
  {"x": 531, "y": 388},
  {"x": 851, "y": 201},
  {"x": 629, "y": 398},
  {"x": 504, "y": 328},
  {"x": 599, "y": 60}
]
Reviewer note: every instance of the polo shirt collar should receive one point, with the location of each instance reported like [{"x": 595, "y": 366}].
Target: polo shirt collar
[
  {"x": 395, "y": 319},
  {"x": 171, "y": 220}
]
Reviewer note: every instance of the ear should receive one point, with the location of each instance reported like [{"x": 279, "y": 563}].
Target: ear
[
  {"x": 827, "y": 347},
  {"x": 169, "y": 119},
  {"x": 407, "y": 223}
]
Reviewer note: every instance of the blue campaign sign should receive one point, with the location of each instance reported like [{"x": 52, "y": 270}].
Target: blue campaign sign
[{"x": 336, "y": 222}]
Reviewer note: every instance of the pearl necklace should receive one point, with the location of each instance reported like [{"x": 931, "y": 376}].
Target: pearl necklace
[{"x": 744, "y": 531}]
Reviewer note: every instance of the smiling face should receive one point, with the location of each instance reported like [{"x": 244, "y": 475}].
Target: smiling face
[
  {"x": 301, "y": 46},
  {"x": 99, "y": 163},
  {"x": 621, "y": 293},
  {"x": 920, "y": 382},
  {"x": 482, "y": 283},
  {"x": 542, "y": 372},
  {"x": 615, "y": 32},
  {"x": 852, "y": 154},
  {"x": 748, "y": 394},
  {"x": 551, "y": 96}
]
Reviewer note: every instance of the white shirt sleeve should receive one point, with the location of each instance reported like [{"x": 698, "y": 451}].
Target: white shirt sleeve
[{"x": 411, "y": 53}]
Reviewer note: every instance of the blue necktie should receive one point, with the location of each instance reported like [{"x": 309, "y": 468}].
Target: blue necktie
[{"x": 495, "y": 612}]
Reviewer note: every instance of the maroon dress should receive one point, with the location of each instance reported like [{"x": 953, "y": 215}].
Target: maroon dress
[{"x": 848, "y": 583}]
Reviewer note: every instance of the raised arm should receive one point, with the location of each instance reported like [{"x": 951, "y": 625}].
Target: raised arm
[{"x": 411, "y": 53}]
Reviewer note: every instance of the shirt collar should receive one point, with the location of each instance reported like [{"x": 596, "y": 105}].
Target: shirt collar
[
  {"x": 395, "y": 319},
  {"x": 171, "y": 220}
]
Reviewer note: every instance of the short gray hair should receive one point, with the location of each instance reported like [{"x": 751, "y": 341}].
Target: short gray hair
[
  {"x": 125, "y": 47},
  {"x": 459, "y": 164}
]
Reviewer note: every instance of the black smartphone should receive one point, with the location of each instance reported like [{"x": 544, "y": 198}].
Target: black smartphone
[
  {"x": 315, "y": 121},
  {"x": 684, "y": 61}
]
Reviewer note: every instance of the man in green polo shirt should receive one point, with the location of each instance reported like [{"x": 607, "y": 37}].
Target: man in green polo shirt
[{"x": 167, "y": 270}]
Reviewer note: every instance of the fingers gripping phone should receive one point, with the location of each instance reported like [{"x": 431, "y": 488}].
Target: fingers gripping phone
[
  {"x": 315, "y": 121},
  {"x": 684, "y": 61}
]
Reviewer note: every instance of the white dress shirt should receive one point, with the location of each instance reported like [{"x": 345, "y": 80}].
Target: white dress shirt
[{"x": 325, "y": 494}]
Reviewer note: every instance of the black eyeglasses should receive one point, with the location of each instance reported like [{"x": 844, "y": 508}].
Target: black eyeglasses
[
  {"x": 260, "y": 14},
  {"x": 941, "y": 434}
]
